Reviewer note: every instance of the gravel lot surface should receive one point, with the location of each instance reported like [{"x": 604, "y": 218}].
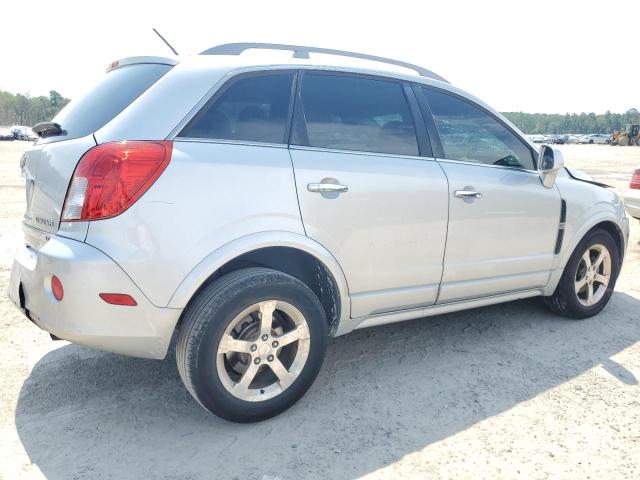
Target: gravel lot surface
[{"x": 508, "y": 391}]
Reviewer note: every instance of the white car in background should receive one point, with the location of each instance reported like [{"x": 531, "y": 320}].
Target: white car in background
[
  {"x": 599, "y": 138},
  {"x": 537, "y": 138}
]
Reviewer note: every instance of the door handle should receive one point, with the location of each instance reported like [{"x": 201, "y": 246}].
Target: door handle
[
  {"x": 467, "y": 194},
  {"x": 327, "y": 188}
]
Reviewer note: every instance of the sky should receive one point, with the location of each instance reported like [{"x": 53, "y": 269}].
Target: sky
[{"x": 533, "y": 56}]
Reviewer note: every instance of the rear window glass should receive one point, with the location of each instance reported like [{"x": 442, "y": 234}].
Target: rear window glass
[
  {"x": 108, "y": 98},
  {"x": 253, "y": 109}
]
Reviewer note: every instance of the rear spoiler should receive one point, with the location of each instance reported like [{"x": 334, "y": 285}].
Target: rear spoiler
[{"x": 136, "y": 60}]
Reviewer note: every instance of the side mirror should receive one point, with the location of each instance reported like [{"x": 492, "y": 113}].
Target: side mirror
[{"x": 550, "y": 161}]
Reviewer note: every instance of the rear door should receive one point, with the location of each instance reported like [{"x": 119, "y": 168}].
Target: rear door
[
  {"x": 503, "y": 223},
  {"x": 49, "y": 164},
  {"x": 365, "y": 191}
]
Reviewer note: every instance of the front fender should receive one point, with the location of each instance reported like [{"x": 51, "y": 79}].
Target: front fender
[
  {"x": 218, "y": 258},
  {"x": 587, "y": 206}
]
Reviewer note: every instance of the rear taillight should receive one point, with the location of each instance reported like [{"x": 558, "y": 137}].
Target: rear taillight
[
  {"x": 635, "y": 179},
  {"x": 110, "y": 178}
]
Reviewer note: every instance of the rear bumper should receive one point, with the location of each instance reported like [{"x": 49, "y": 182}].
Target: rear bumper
[
  {"x": 632, "y": 202},
  {"x": 82, "y": 316}
]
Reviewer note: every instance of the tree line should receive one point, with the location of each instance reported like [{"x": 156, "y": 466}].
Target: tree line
[
  {"x": 22, "y": 109},
  {"x": 545, "y": 123}
]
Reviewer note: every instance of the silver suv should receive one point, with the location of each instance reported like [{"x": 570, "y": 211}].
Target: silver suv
[{"x": 256, "y": 205}]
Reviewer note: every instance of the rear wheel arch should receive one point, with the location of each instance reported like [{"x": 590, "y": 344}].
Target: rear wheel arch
[{"x": 298, "y": 263}]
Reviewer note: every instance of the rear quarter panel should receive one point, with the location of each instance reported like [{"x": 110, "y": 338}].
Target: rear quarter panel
[{"x": 209, "y": 195}]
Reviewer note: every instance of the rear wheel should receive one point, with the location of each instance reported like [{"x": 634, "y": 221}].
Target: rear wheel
[
  {"x": 251, "y": 344},
  {"x": 589, "y": 277}
]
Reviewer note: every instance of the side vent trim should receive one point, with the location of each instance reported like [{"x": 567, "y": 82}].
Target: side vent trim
[{"x": 563, "y": 219}]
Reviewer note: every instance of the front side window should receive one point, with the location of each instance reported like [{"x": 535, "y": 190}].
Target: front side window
[
  {"x": 469, "y": 133},
  {"x": 354, "y": 113},
  {"x": 253, "y": 109}
]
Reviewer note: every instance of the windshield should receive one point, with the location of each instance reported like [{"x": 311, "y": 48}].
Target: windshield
[{"x": 107, "y": 99}]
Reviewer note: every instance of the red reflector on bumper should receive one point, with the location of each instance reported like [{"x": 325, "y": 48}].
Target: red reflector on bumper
[
  {"x": 119, "y": 299},
  {"x": 56, "y": 288}
]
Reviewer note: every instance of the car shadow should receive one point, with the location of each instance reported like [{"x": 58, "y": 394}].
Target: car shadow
[{"x": 383, "y": 393}]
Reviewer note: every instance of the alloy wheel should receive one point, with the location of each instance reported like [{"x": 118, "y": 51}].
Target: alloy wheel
[
  {"x": 593, "y": 275},
  {"x": 263, "y": 350}
]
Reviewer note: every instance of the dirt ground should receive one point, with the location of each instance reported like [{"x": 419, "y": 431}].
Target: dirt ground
[{"x": 508, "y": 391}]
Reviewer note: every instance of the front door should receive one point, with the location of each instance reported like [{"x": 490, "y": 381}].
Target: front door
[{"x": 503, "y": 223}]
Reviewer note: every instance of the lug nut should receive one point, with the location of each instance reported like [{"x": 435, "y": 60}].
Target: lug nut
[
  {"x": 257, "y": 360},
  {"x": 265, "y": 337},
  {"x": 254, "y": 348},
  {"x": 270, "y": 358},
  {"x": 274, "y": 344}
]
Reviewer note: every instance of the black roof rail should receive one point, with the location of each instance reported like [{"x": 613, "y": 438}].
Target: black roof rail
[{"x": 300, "y": 51}]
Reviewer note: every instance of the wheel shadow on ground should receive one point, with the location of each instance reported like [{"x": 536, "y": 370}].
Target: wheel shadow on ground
[{"x": 383, "y": 393}]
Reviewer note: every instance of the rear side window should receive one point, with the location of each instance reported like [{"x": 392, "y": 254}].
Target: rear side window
[
  {"x": 354, "y": 113},
  {"x": 252, "y": 109},
  {"x": 469, "y": 133},
  {"x": 108, "y": 98}
]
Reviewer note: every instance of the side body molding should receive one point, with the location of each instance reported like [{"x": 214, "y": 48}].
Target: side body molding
[{"x": 256, "y": 241}]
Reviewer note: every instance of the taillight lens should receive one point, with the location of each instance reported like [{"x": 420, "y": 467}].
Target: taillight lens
[
  {"x": 110, "y": 178},
  {"x": 635, "y": 179}
]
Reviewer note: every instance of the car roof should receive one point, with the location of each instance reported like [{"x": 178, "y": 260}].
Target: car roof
[
  {"x": 265, "y": 60},
  {"x": 224, "y": 66}
]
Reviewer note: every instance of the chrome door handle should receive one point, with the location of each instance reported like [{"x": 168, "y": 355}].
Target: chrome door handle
[
  {"x": 327, "y": 188},
  {"x": 467, "y": 194}
]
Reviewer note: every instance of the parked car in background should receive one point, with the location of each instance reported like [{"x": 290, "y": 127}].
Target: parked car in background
[
  {"x": 273, "y": 205},
  {"x": 537, "y": 138},
  {"x": 559, "y": 139},
  {"x": 599, "y": 138},
  {"x": 632, "y": 196},
  {"x": 21, "y": 132},
  {"x": 6, "y": 134}
]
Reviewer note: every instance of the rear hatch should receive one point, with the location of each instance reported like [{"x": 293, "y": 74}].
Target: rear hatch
[{"x": 49, "y": 164}]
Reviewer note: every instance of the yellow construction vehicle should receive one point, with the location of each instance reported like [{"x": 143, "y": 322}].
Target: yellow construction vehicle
[{"x": 629, "y": 136}]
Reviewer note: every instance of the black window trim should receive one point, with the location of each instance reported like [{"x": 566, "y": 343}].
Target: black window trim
[
  {"x": 422, "y": 139},
  {"x": 430, "y": 121},
  {"x": 227, "y": 83}
]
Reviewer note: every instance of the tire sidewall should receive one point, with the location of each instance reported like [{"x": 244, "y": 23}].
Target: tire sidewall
[{"x": 222, "y": 310}]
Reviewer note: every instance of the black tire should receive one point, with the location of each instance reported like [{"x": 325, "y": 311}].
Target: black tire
[
  {"x": 206, "y": 320},
  {"x": 564, "y": 300}
]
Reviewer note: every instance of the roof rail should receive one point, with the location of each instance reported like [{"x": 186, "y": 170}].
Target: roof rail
[{"x": 303, "y": 52}]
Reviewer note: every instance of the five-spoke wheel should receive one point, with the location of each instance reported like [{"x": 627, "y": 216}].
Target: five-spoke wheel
[
  {"x": 263, "y": 350},
  {"x": 251, "y": 344},
  {"x": 588, "y": 278},
  {"x": 593, "y": 275}
]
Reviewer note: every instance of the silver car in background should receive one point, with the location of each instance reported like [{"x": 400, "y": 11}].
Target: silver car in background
[{"x": 255, "y": 207}]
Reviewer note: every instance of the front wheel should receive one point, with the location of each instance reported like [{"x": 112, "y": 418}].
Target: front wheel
[
  {"x": 251, "y": 344},
  {"x": 589, "y": 277}
]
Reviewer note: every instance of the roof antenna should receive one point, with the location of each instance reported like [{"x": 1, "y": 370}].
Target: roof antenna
[{"x": 165, "y": 41}]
